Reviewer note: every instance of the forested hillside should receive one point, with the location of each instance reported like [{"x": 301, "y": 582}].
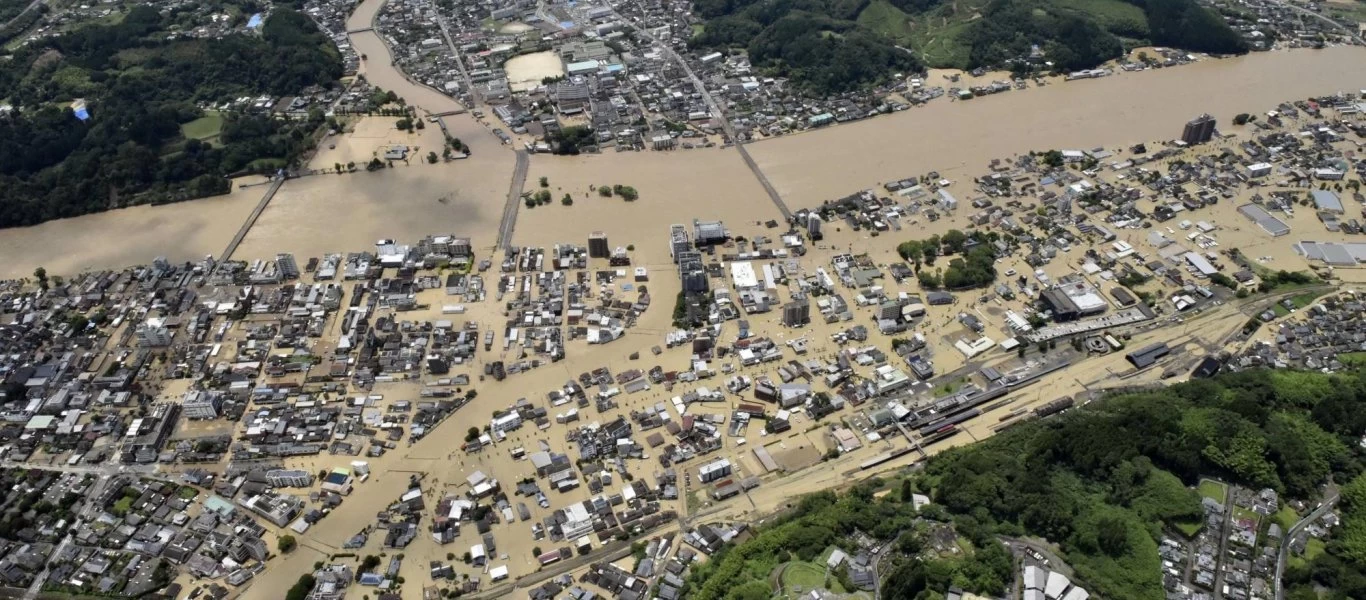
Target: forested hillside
[
  {"x": 1103, "y": 481},
  {"x": 815, "y": 42},
  {"x": 139, "y": 88}
]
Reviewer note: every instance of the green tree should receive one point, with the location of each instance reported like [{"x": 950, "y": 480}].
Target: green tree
[
  {"x": 431, "y": 156},
  {"x": 41, "y": 275},
  {"x": 287, "y": 543}
]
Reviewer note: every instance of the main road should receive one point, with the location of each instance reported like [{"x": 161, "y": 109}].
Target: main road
[{"x": 716, "y": 111}]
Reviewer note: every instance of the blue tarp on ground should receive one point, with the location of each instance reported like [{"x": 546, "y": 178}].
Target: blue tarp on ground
[{"x": 254, "y": 21}]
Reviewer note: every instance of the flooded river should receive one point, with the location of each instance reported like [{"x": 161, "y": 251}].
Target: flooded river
[
  {"x": 958, "y": 138},
  {"x": 347, "y": 213}
]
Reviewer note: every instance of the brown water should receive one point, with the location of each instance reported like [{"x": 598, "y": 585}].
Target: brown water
[
  {"x": 525, "y": 72},
  {"x": 332, "y": 213},
  {"x": 128, "y": 236},
  {"x": 957, "y": 138}
]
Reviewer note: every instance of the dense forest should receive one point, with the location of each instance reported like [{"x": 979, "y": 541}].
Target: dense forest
[
  {"x": 825, "y": 47},
  {"x": 1103, "y": 481},
  {"x": 815, "y": 42},
  {"x": 139, "y": 87}
]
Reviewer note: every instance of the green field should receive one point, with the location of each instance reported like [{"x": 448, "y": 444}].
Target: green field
[
  {"x": 1286, "y": 518},
  {"x": 939, "y": 36},
  {"x": 205, "y": 128},
  {"x": 888, "y": 20},
  {"x": 1300, "y": 300},
  {"x": 1353, "y": 358},
  {"x": 1312, "y": 549},
  {"x": 1189, "y": 528},
  {"x": 1114, "y": 15},
  {"x": 805, "y": 575},
  {"x": 1210, "y": 488}
]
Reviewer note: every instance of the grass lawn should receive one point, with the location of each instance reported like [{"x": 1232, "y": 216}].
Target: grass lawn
[
  {"x": 803, "y": 574},
  {"x": 1286, "y": 517},
  {"x": 123, "y": 505},
  {"x": 1300, "y": 301},
  {"x": 1312, "y": 548},
  {"x": 187, "y": 493},
  {"x": 1240, "y": 513},
  {"x": 1190, "y": 528},
  {"x": 697, "y": 29},
  {"x": 1353, "y": 358},
  {"x": 1305, "y": 299},
  {"x": 206, "y": 127},
  {"x": 1210, "y": 488}
]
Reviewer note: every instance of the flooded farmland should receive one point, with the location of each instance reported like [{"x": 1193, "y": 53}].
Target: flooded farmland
[{"x": 526, "y": 71}]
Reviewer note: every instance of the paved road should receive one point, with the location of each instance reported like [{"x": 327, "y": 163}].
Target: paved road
[
  {"x": 251, "y": 219},
  {"x": 459, "y": 59},
  {"x": 31, "y": 6},
  {"x": 1284, "y": 553},
  {"x": 718, "y": 113},
  {"x": 509, "y": 221}
]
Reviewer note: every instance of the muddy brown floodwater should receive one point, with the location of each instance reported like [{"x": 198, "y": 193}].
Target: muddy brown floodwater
[
  {"x": 959, "y": 137},
  {"x": 348, "y": 213}
]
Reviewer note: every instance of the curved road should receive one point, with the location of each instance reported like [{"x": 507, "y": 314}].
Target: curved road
[{"x": 1284, "y": 554}]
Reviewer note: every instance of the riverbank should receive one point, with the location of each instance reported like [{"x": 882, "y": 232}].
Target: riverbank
[{"x": 952, "y": 138}]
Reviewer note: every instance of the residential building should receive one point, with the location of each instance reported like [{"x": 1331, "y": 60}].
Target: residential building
[{"x": 289, "y": 478}]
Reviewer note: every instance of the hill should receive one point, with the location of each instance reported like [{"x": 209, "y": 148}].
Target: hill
[
  {"x": 139, "y": 87},
  {"x": 808, "y": 39},
  {"x": 1103, "y": 482}
]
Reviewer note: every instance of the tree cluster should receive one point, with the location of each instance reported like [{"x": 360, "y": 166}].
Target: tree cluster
[
  {"x": 823, "y": 48},
  {"x": 570, "y": 140},
  {"x": 974, "y": 265},
  {"x": 1102, "y": 480},
  {"x": 816, "y": 43},
  {"x": 138, "y": 87}
]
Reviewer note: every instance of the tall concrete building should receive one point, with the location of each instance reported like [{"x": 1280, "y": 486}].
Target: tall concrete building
[
  {"x": 597, "y": 245},
  {"x": 691, "y": 273},
  {"x": 813, "y": 225},
  {"x": 1199, "y": 130},
  {"x": 154, "y": 332},
  {"x": 796, "y": 313},
  {"x": 201, "y": 404},
  {"x": 678, "y": 241},
  {"x": 289, "y": 269}
]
